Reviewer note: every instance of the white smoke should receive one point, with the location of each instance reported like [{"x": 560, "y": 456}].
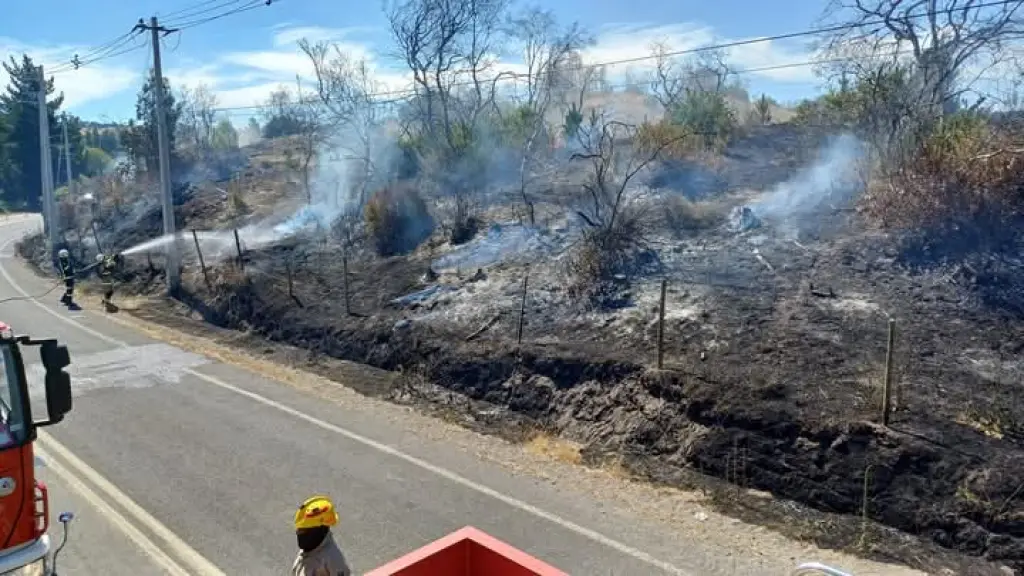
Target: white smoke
[{"x": 831, "y": 181}]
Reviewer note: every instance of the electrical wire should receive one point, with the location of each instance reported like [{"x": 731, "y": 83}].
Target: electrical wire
[
  {"x": 114, "y": 48},
  {"x": 92, "y": 52},
  {"x": 507, "y": 76},
  {"x": 67, "y": 69},
  {"x": 177, "y": 43},
  {"x": 252, "y": 5},
  {"x": 111, "y": 49},
  {"x": 174, "y": 18},
  {"x": 411, "y": 92}
]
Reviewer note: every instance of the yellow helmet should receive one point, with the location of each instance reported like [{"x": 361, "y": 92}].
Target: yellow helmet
[{"x": 315, "y": 512}]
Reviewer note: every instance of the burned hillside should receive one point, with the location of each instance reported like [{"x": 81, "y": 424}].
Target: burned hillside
[
  {"x": 825, "y": 304},
  {"x": 774, "y": 334}
]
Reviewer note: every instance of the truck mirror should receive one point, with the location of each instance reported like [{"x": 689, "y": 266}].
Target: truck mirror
[
  {"x": 54, "y": 356},
  {"x": 58, "y": 395}
]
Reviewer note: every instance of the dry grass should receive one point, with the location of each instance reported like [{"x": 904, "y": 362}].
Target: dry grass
[
  {"x": 683, "y": 215},
  {"x": 987, "y": 425},
  {"x": 555, "y": 448},
  {"x": 965, "y": 173}
]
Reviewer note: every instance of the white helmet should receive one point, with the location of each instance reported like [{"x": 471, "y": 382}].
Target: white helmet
[
  {"x": 63, "y": 253},
  {"x": 99, "y": 257}
]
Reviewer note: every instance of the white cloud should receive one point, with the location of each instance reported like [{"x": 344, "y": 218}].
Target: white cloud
[
  {"x": 246, "y": 78},
  {"x": 242, "y": 79},
  {"x": 288, "y": 36},
  {"x": 92, "y": 83}
]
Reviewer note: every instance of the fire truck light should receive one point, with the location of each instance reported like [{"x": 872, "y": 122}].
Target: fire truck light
[{"x": 6, "y": 331}]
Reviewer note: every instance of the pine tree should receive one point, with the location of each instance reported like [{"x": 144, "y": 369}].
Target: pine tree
[
  {"x": 7, "y": 168},
  {"x": 24, "y": 187},
  {"x": 140, "y": 138}
]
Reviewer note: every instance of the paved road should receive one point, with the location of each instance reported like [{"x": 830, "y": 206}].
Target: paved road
[
  {"x": 205, "y": 464},
  {"x": 97, "y": 544}
]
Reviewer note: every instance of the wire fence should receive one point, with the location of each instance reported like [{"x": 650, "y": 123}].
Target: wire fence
[{"x": 522, "y": 305}]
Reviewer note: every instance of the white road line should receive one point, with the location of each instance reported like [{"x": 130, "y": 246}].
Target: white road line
[
  {"x": 197, "y": 563},
  {"x": 386, "y": 449},
  {"x": 115, "y": 518}
]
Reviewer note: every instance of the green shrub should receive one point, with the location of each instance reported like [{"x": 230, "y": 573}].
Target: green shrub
[{"x": 707, "y": 114}]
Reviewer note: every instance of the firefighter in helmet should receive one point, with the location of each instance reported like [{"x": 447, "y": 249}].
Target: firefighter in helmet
[
  {"x": 67, "y": 274},
  {"x": 319, "y": 553},
  {"x": 106, "y": 266}
]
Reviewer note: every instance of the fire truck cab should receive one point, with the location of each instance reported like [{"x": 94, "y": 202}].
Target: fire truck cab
[{"x": 24, "y": 506}]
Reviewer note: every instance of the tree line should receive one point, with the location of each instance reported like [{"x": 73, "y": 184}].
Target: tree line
[
  {"x": 194, "y": 129},
  {"x": 20, "y": 155}
]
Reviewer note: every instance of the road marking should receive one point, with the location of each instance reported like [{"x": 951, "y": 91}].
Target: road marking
[
  {"x": 112, "y": 515},
  {"x": 593, "y": 535},
  {"x": 197, "y": 563}
]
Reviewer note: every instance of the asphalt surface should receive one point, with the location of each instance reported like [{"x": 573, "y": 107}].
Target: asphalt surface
[{"x": 206, "y": 463}]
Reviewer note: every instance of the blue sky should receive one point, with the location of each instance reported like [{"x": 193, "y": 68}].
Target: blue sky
[{"x": 244, "y": 56}]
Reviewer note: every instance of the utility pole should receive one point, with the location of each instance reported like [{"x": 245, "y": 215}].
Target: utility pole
[
  {"x": 50, "y": 214},
  {"x": 166, "y": 194},
  {"x": 67, "y": 158}
]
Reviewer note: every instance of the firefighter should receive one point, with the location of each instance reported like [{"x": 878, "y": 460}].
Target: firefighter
[
  {"x": 105, "y": 268},
  {"x": 67, "y": 273},
  {"x": 319, "y": 554}
]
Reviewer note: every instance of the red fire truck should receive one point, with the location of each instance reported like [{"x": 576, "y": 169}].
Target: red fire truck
[{"x": 24, "y": 506}]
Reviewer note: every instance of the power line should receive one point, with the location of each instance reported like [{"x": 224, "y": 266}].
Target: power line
[
  {"x": 190, "y": 11},
  {"x": 410, "y": 92},
  {"x": 253, "y": 4},
  {"x": 406, "y": 93},
  {"x": 111, "y": 48},
  {"x": 67, "y": 70},
  {"x": 91, "y": 52},
  {"x": 108, "y": 50}
]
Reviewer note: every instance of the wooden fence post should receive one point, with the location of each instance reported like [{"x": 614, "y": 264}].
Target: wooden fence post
[
  {"x": 344, "y": 283},
  {"x": 96, "y": 236},
  {"x": 661, "y": 325},
  {"x": 288, "y": 273},
  {"x": 238, "y": 247},
  {"x": 202, "y": 263},
  {"x": 291, "y": 283},
  {"x": 522, "y": 307},
  {"x": 887, "y": 382}
]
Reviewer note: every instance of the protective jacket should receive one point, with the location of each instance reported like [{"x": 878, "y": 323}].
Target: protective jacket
[
  {"x": 324, "y": 560},
  {"x": 67, "y": 269},
  {"x": 106, "y": 269}
]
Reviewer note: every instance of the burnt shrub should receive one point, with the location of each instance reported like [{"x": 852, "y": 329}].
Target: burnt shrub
[
  {"x": 964, "y": 179},
  {"x": 605, "y": 261},
  {"x": 397, "y": 219}
]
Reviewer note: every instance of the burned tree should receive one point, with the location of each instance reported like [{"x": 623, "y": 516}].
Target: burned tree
[
  {"x": 693, "y": 92},
  {"x": 546, "y": 48},
  {"x": 346, "y": 88},
  {"x": 450, "y": 47},
  {"x": 942, "y": 38},
  {"x": 198, "y": 117},
  {"x": 617, "y": 213}
]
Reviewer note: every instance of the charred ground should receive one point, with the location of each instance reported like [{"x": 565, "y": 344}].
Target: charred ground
[{"x": 774, "y": 347}]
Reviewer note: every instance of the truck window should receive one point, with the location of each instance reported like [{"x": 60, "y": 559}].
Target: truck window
[{"x": 12, "y": 421}]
